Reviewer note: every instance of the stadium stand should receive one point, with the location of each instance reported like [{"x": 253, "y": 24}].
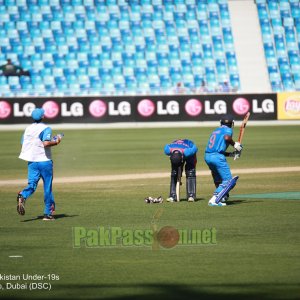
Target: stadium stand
[
  {"x": 87, "y": 47},
  {"x": 91, "y": 47},
  {"x": 280, "y": 27}
]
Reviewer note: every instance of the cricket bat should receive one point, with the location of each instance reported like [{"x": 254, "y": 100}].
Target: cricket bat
[
  {"x": 178, "y": 183},
  {"x": 242, "y": 131}
]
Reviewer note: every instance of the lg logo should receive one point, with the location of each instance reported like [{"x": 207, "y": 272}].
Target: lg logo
[
  {"x": 147, "y": 107},
  {"x": 51, "y": 108},
  {"x": 194, "y": 107},
  {"x": 241, "y": 106},
  {"x": 98, "y": 108}
]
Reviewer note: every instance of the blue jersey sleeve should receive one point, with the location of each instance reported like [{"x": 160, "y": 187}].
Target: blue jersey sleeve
[
  {"x": 46, "y": 134},
  {"x": 167, "y": 150},
  {"x": 190, "y": 143},
  {"x": 190, "y": 151}
]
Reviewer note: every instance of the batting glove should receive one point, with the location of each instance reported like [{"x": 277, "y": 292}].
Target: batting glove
[
  {"x": 237, "y": 154},
  {"x": 237, "y": 146},
  {"x": 232, "y": 154}
]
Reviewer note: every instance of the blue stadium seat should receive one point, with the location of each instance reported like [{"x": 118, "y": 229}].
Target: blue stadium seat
[
  {"x": 150, "y": 34},
  {"x": 165, "y": 83},
  {"x": 288, "y": 82},
  {"x": 175, "y": 75},
  {"x": 188, "y": 80},
  {"x": 235, "y": 81},
  {"x": 25, "y": 82},
  {"x": 284, "y": 65},
  {"x": 90, "y": 71},
  {"x": 282, "y": 28}
]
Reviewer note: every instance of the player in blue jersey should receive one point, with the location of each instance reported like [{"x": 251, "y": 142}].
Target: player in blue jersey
[
  {"x": 36, "y": 150},
  {"x": 215, "y": 157},
  {"x": 182, "y": 153}
]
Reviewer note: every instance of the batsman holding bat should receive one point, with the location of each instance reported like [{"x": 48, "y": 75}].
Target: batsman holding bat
[
  {"x": 182, "y": 153},
  {"x": 215, "y": 158}
]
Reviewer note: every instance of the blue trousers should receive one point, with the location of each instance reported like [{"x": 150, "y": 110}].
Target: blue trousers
[
  {"x": 37, "y": 170},
  {"x": 220, "y": 170}
]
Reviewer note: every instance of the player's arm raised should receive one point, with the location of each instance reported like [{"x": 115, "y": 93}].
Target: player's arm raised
[{"x": 236, "y": 145}]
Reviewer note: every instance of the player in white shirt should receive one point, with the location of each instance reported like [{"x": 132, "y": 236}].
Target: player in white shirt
[{"x": 36, "y": 150}]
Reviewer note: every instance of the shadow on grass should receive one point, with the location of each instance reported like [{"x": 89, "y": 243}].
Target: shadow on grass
[
  {"x": 196, "y": 200},
  {"x": 173, "y": 292},
  {"x": 60, "y": 216},
  {"x": 229, "y": 202},
  {"x": 234, "y": 202}
]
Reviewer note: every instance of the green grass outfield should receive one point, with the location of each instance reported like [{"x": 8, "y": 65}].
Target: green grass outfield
[{"x": 255, "y": 254}]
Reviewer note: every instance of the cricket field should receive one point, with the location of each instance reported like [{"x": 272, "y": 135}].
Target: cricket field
[{"x": 107, "y": 243}]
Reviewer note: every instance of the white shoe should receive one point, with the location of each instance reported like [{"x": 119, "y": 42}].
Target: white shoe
[
  {"x": 212, "y": 199},
  {"x": 216, "y": 204},
  {"x": 171, "y": 199},
  {"x": 191, "y": 199},
  {"x": 212, "y": 202}
]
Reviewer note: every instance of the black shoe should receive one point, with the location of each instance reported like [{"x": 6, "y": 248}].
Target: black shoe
[
  {"x": 21, "y": 205},
  {"x": 48, "y": 218}
]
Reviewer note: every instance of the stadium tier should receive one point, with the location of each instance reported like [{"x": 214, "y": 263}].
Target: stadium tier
[
  {"x": 280, "y": 26},
  {"x": 74, "y": 47},
  {"x": 82, "y": 47}
]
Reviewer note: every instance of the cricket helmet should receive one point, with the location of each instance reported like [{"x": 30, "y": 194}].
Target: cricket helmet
[
  {"x": 227, "y": 120},
  {"x": 176, "y": 158}
]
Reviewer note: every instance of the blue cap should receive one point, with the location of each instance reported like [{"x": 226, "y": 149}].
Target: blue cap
[{"x": 37, "y": 114}]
